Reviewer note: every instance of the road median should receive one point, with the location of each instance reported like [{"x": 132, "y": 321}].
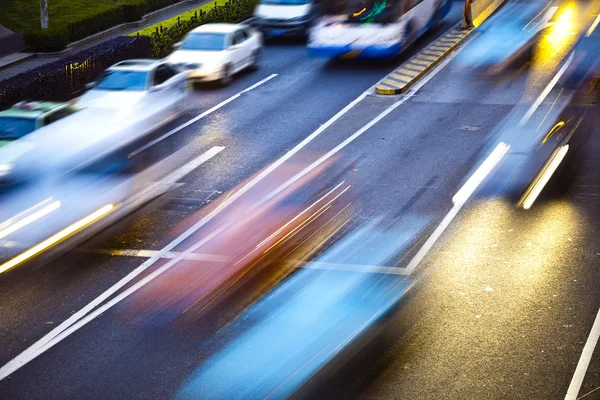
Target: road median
[{"x": 407, "y": 74}]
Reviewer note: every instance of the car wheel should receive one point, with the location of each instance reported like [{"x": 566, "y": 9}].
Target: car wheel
[
  {"x": 255, "y": 60},
  {"x": 226, "y": 78},
  {"x": 412, "y": 34}
]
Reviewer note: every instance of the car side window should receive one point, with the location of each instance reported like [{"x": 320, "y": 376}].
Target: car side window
[
  {"x": 238, "y": 37},
  {"x": 162, "y": 74},
  {"x": 247, "y": 33},
  {"x": 55, "y": 116}
]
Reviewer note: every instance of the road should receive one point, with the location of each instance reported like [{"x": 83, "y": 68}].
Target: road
[{"x": 505, "y": 301}]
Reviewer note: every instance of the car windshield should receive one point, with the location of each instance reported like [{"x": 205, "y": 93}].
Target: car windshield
[
  {"x": 123, "y": 80},
  {"x": 13, "y": 128},
  {"x": 286, "y": 2},
  {"x": 204, "y": 41}
]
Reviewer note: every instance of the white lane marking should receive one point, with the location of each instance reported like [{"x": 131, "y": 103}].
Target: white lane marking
[
  {"x": 199, "y": 117},
  {"x": 173, "y": 177},
  {"x": 460, "y": 199},
  {"x": 546, "y": 91},
  {"x": 169, "y": 255},
  {"x": 79, "y": 319},
  {"x": 379, "y": 269},
  {"x": 584, "y": 360},
  {"x": 416, "y": 87},
  {"x": 467, "y": 190},
  {"x": 594, "y": 25},
  {"x": 179, "y": 173}
]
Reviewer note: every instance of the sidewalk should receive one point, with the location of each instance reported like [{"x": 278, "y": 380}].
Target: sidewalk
[{"x": 14, "y": 64}]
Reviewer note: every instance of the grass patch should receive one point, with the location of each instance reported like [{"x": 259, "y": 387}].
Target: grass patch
[
  {"x": 184, "y": 16},
  {"x": 71, "y": 20},
  {"x": 24, "y": 15}
]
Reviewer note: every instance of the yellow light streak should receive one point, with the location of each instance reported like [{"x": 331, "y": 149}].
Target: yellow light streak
[
  {"x": 543, "y": 177},
  {"x": 593, "y": 27},
  {"x": 356, "y": 14},
  {"x": 563, "y": 27},
  {"x": 555, "y": 128},
  {"x": 54, "y": 239}
]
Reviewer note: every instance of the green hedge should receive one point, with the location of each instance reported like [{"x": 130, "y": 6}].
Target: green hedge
[
  {"x": 164, "y": 35},
  {"x": 52, "y": 39},
  {"x": 135, "y": 11},
  {"x": 90, "y": 22},
  {"x": 148, "y": 31}
]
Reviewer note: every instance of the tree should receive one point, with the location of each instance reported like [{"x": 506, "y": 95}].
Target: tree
[{"x": 44, "y": 13}]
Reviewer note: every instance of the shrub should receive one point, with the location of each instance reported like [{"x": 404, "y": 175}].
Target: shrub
[
  {"x": 135, "y": 11},
  {"x": 61, "y": 79},
  {"x": 169, "y": 32},
  {"x": 92, "y": 23},
  {"x": 52, "y": 39},
  {"x": 148, "y": 31},
  {"x": 80, "y": 22},
  {"x": 158, "y": 4}
]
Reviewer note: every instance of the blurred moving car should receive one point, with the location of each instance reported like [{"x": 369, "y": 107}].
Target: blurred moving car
[
  {"x": 286, "y": 17},
  {"x": 215, "y": 52},
  {"x": 517, "y": 34},
  {"x": 308, "y": 327},
  {"x": 21, "y": 120},
  {"x": 281, "y": 218},
  {"x": 129, "y": 101},
  {"x": 138, "y": 84},
  {"x": 543, "y": 144}
]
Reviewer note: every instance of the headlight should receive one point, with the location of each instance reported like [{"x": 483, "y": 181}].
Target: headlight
[
  {"x": 193, "y": 66},
  {"x": 5, "y": 168}
]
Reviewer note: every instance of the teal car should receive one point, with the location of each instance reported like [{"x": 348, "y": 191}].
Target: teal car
[
  {"x": 21, "y": 120},
  {"x": 24, "y": 118}
]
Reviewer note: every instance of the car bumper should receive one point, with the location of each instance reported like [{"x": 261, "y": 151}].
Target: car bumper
[
  {"x": 204, "y": 75},
  {"x": 272, "y": 29},
  {"x": 349, "y": 52}
]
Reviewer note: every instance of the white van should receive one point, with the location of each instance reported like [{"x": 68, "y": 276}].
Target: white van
[{"x": 286, "y": 17}]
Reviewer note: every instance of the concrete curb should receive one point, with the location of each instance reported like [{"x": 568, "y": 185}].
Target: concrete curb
[
  {"x": 17, "y": 58},
  {"x": 406, "y": 75}
]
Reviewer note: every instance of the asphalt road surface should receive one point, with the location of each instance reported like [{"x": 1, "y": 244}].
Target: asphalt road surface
[{"x": 506, "y": 298}]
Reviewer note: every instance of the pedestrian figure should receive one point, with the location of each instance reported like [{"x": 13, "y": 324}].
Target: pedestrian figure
[{"x": 467, "y": 17}]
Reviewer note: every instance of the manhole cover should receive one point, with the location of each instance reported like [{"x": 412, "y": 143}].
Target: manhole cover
[{"x": 471, "y": 128}]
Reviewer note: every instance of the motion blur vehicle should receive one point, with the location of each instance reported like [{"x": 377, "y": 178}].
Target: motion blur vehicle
[
  {"x": 139, "y": 85},
  {"x": 273, "y": 221},
  {"x": 297, "y": 333},
  {"x": 19, "y": 121},
  {"x": 373, "y": 28},
  {"x": 542, "y": 146},
  {"x": 129, "y": 101},
  {"x": 510, "y": 39},
  {"x": 286, "y": 17},
  {"x": 215, "y": 52}
]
